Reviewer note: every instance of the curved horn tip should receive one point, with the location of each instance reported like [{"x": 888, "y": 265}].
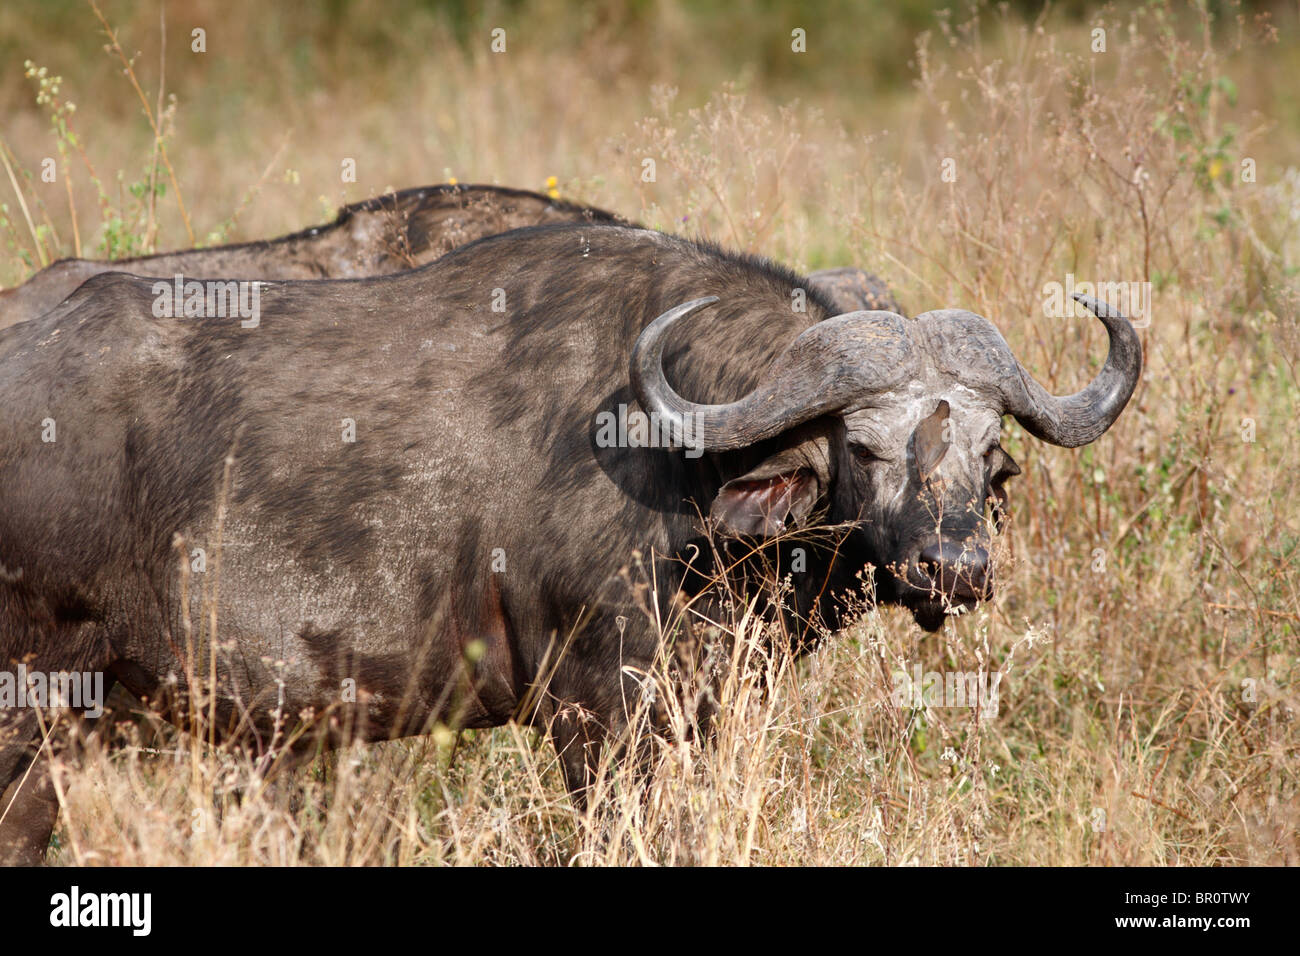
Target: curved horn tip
[
  {"x": 660, "y": 325},
  {"x": 698, "y": 303},
  {"x": 1102, "y": 310}
]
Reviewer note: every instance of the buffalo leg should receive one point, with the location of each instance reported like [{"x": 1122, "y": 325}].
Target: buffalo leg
[
  {"x": 27, "y": 802},
  {"x": 29, "y": 807},
  {"x": 30, "y": 645},
  {"x": 578, "y": 738}
]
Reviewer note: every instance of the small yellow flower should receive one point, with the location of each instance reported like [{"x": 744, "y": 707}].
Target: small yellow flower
[
  {"x": 552, "y": 185},
  {"x": 1216, "y": 168},
  {"x": 452, "y": 180}
]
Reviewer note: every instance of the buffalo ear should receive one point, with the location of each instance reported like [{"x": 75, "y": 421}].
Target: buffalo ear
[
  {"x": 1001, "y": 467},
  {"x": 762, "y": 502}
]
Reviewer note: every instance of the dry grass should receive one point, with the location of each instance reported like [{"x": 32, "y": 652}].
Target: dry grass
[{"x": 1147, "y": 622}]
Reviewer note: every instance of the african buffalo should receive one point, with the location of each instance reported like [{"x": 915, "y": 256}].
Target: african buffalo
[
  {"x": 378, "y": 236},
  {"x": 422, "y": 483}
]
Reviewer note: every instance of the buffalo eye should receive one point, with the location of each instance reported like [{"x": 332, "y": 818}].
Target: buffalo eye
[{"x": 862, "y": 454}]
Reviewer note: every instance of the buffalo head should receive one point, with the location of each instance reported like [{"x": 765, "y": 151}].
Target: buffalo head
[{"x": 890, "y": 428}]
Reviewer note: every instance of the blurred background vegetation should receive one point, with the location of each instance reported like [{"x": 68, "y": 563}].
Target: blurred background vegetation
[{"x": 411, "y": 90}]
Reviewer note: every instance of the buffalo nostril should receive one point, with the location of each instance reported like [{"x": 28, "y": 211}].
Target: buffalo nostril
[
  {"x": 931, "y": 560},
  {"x": 959, "y": 570}
]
